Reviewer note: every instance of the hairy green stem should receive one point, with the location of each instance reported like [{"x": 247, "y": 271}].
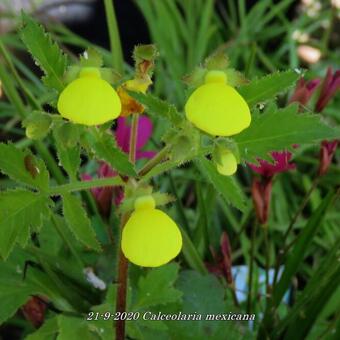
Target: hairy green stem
[
  {"x": 285, "y": 248},
  {"x": 267, "y": 256},
  {"x": 159, "y": 157},
  {"x": 251, "y": 269},
  {"x": 85, "y": 185},
  {"x": 115, "y": 44},
  {"x": 133, "y": 138},
  {"x": 123, "y": 264}
]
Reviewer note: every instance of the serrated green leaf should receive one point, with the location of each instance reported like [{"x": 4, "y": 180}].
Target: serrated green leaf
[
  {"x": 205, "y": 296},
  {"x": 45, "y": 52},
  {"x": 78, "y": 222},
  {"x": 23, "y": 167},
  {"x": 20, "y": 212},
  {"x": 12, "y": 298},
  {"x": 156, "y": 287},
  {"x": 68, "y": 155},
  {"x": 275, "y": 131},
  {"x": 104, "y": 327},
  {"x": 265, "y": 88},
  {"x": 106, "y": 149},
  {"x": 158, "y": 107},
  {"x": 47, "y": 331},
  {"x": 225, "y": 185},
  {"x": 74, "y": 328}
]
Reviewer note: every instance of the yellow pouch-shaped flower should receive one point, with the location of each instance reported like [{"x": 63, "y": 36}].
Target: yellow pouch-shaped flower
[
  {"x": 89, "y": 100},
  {"x": 217, "y": 108},
  {"x": 150, "y": 238},
  {"x": 228, "y": 163}
]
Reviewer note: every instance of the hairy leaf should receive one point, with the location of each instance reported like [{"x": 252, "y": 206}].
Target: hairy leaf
[
  {"x": 158, "y": 107},
  {"x": 74, "y": 328},
  {"x": 157, "y": 287},
  {"x": 225, "y": 185},
  {"x": 105, "y": 148},
  {"x": 78, "y": 222},
  {"x": 45, "y": 52},
  {"x": 265, "y": 88},
  {"x": 20, "y": 213},
  {"x": 278, "y": 130},
  {"x": 68, "y": 153},
  {"x": 12, "y": 298},
  {"x": 23, "y": 167}
]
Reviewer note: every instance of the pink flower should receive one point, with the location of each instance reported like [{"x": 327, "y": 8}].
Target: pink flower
[
  {"x": 281, "y": 164},
  {"x": 327, "y": 152},
  {"x": 330, "y": 86},
  {"x": 222, "y": 265},
  {"x": 105, "y": 195},
  {"x": 304, "y": 91},
  {"x": 261, "y": 191}
]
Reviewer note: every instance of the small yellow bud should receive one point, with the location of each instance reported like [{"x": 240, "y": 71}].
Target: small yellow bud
[
  {"x": 228, "y": 163},
  {"x": 217, "y": 108},
  {"x": 129, "y": 104},
  {"x": 150, "y": 237},
  {"x": 89, "y": 100}
]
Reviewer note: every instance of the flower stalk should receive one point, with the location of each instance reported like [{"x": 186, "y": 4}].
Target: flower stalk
[{"x": 123, "y": 264}]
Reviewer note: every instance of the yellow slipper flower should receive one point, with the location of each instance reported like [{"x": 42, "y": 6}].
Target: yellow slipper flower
[
  {"x": 218, "y": 108},
  {"x": 150, "y": 237},
  {"x": 228, "y": 163},
  {"x": 89, "y": 100}
]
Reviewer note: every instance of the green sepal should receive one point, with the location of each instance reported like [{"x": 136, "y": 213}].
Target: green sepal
[{"x": 37, "y": 125}]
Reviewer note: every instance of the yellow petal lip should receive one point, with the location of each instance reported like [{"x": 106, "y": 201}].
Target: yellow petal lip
[
  {"x": 151, "y": 238},
  {"x": 218, "y": 109},
  {"x": 228, "y": 164},
  {"x": 89, "y": 100}
]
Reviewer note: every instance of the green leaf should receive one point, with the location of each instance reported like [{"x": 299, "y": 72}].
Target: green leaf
[
  {"x": 68, "y": 152},
  {"x": 294, "y": 260},
  {"x": 106, "y": 149},
  {"x": 103, "y": 327},
  {"x": 74, "y": 328},
  {"x": 225, "y": 185},
  {"x": 47, "y": 331},
  {"x": 91, "y": 58},
  {"x": 158, "y": 107},
  {"x": 23, "y": 167},
  {"x": 156, "y": 287},
  {"x": 275, "y": 131},
  {"x": 45, "y": 52},
  {"x": 263, "y": 89},
  {"x": 78, "y": 221},
  {"x": 203, "y": 295},
  {"x": 21, "y": 212},
  {"x": 37, "y": 125},
  {"x": 12, "y": 298},
  {"x": 301, "y": 245},
  {"x": 310, "y": 303}
]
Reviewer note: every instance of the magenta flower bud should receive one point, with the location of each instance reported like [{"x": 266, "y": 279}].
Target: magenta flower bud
[
  {"x": 304, "y": 91},
  {"x": 281, "y": 164},
  {"x": 261, "y": 194},
  {"x": 329, "y": 87},
  {"x": 327, "y": 152}
]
